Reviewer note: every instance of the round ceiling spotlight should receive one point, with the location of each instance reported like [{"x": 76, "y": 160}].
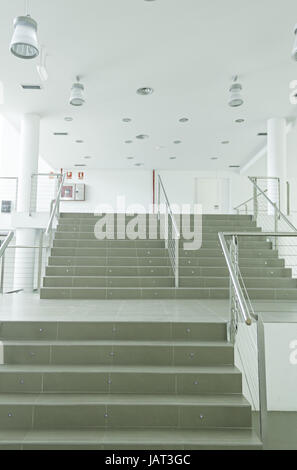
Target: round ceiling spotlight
[
  {"x": 145, "y": 91},
  {"x": 130, "y": 158},
  {"x": 294, "y": 51},
  {"x": 184, "y": 119},
  {"x": 126, "y": 120},
  {"x": 177, "y": 142},
  {"x": 225, "y": 142},
  {"x": 214, "y": 158},
  {"x": 77, "y": 93},
  {"x": 235, "y": 94},
  {"x": 87, "y": 158},
  {"x": 24, "y": 43},
  {"x": 68, "y": 119},
  {"x": 239, "y": 121},
  {"x": 142, "y": 136},
  {"x": 172, "y": 158},
  {"x": 79, "y": 141},
  {"x": 138, "y": 164},
  {"x": 128, "y": 141}
]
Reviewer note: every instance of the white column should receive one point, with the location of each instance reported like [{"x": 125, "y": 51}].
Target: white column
[
  {"x": 277, "y": 159},
  {"x": 28, "y": 165}
]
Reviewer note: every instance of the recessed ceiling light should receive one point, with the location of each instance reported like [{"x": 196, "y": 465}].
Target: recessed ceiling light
[
  {"x": 177, "y": 142},
  {"x": 172, "y": 158},
  {"x": 130, "y": 158},
  {"x": 138, "y": 164},
  {"x": 234, "y": 166},
  {"x": 79, "y": 141},
  {"x": 145, "y": 91},
  {"x": 128, "y": 141},
  {"x": 142, "y": 136},
  {"x": 184, "y": 119},
  {"x": 126, "y": 120},
  {"x": 61, "y": 133},
  {"x": 87, "y": 158},
  {"x": 80, "y": 165},
  {"x": 68, "y": 119},
  {"x": 239, "y": 121},
  {"x": 31, "y": 87},
  {"x": 214, "y": 158},
  {"x": 262, "y": 134},
  {"x": 225, "y": 142}
]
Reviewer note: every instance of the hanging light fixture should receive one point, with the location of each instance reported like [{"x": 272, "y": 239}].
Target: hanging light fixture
[
  {"x": 235, "y": 94},
  {"x": 77, "y": 93},
  {"x": 294, "y": 52},
  {"x": 24, "y": 43},
  {"x": 41, "y": 67}
]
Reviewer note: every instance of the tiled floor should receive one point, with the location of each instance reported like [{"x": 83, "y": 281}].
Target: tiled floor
[{"x": 29, "y": 307}]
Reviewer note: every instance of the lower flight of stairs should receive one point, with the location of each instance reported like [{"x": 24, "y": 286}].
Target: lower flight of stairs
[
  {"x": 124, "y": 385},
  {"x": 83, "y": 267}
]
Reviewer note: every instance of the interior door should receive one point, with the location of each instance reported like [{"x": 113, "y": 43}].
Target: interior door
[{"x": 213, "y": 194}]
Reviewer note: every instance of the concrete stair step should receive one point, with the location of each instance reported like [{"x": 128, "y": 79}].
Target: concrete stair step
[
  {"x": 120, "y": 330},
  {"x": 130, "y": 439},
  {"x": 162, "y": 293},
  {"x": 60, "y": 411},
  {"x": 162, "y": 281},
  {"x": 159, "y": 261},
  {"x": 120, "y": 379},
  {"x": 156, "y": 252},
  {"x": 65, "y": 271},
  {"x": 252, "y": 244},
  {"x": 116, "y": 352}
]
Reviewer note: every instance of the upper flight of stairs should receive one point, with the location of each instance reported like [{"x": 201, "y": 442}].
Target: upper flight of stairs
[
  {"x": 121, "y": 385},
  {"x": 82, "y": 267}
]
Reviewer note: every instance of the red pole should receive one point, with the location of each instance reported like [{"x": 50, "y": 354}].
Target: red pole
[{"x": 154, "y": 189}]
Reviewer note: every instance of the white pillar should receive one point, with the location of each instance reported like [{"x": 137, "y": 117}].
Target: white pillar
[
  {"x": 277, "y": 159},
  {"x": 28, "y": 165}
]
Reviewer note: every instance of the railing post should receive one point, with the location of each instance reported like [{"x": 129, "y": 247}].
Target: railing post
[
  {"x": 255, "y": 216},
  {"x": 40, "y": 257},
  {"x": 288, "y": 198},
  {"x": 233, "y": 298},
  {"x": 159, "y": 197},
  {"x": 262, "y": 378},
  {"x": 166, "y": 227},
  {"x": 176, "y": 262},
  {"x": 2, "y": 274}
]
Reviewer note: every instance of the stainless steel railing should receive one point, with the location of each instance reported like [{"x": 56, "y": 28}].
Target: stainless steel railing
[
  {"x": 35, "y": 259},
  {"x": 171, "y": 231},
  {"x": 244, "y": 207},
  {"x": 248, "y": 342}
]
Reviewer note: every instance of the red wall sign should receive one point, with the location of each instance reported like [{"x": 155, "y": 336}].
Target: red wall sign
[
  {"x": 69, "y": 175},
  {"x": 81, "y": 175}
]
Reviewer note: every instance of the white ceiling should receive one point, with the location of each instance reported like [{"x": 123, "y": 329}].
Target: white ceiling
[{"x": 187, "y": 50}]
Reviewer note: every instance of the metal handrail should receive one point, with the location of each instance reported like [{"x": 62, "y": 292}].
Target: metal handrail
[
  {"x": 173, "y": 253},
  {"x": 280, "y": 213},
  {"x": 55, "y": 208},
  {"x": 168, "y": 205},
  {"x": 245, "y": 311},
  {"x": 249, "y": 200},
  {"x": 6, "y": 242}
]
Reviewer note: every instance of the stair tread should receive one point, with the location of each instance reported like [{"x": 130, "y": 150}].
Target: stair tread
[
  {"x": 72, "y": 399},
  {"x": 131, "y": 437},
  {"x": 46, "y": 368},
  {"x": 115, "y": 342}
]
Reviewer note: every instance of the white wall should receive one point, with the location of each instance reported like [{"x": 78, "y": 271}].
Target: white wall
[{"x": 104, "y": 186}]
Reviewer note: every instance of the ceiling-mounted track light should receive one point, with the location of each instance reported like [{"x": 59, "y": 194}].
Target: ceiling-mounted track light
[
  {"x": 294, "y": 52},
  {"x": 24, "y": 43},
  {"x": 77, "y": 93},
  {"x": 235, "y": 94}
]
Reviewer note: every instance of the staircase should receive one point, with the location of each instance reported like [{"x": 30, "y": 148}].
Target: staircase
[
  {"x": 82, "y": 267},
  {"x": 121, "y": 385}
]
